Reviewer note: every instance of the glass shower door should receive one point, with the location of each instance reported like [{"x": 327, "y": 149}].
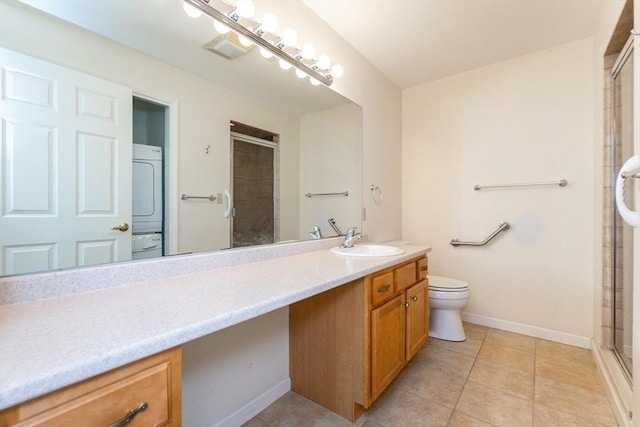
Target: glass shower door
[{"x": 622, "y": 245}]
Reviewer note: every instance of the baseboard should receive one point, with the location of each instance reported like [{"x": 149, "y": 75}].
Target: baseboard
[
  {"x": 532, "y": 331},
  {"x": 615, "y": 384},
  {"x": 256, "y": 406}
]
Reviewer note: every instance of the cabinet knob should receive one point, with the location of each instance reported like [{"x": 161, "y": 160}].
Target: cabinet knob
[
  {"x": 130, "y": 415},
  {"x": 424, "y": 268},
  {"x": 414, "y": 298},
  {"x": 406, "y": 304},
  {"x": 383, "y": 289}
]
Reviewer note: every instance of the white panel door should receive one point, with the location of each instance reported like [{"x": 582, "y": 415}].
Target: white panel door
[{"x": 65, "y": 167}]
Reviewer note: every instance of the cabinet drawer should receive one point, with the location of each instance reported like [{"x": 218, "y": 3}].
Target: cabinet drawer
[
  {"x": 107, "y": 398},
  {"x": 423, "y": 268},
  {"x": 382, "y": 288},
  {"x": 404, "y": 276}
]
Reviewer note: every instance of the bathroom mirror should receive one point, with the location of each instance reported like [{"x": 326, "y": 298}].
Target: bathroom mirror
[{"x": 155, "y": 50}]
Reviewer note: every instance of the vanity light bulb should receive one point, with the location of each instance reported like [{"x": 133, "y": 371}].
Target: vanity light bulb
[
  {"x": 265, "y": 53},
  {"x": 191, "y": 10},
  {"x": 314, "y": 82},
  {"x": 284, "y": 64},
  {"x": 220, "y": 27},
  {"x": 323, "y": 62},
  {"x": 244, "y": 41},
  {"x": 245, "y": 8},
  {"x": 308, "y": 51},
  {"x": 337, "y": 71},
  {"x": 301, "y": 74},
  {"x": 269, "y": 23},
  {"x": 289, "y": 37}
]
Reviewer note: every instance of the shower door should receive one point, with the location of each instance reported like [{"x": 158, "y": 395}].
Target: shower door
[
  {"x": 622, "y": 246},
  {"x": 253, "y": 185}
]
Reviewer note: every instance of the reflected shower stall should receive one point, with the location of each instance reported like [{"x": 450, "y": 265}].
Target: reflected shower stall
[{"x": 253, "y": 183}]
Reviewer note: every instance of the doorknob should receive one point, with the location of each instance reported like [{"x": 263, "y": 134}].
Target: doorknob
[{"x": 122, "y": 227}]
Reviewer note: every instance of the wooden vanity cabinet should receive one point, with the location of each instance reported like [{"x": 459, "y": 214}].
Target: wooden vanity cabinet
[
  {"x": 107, "y": 398},
  {"x": 349, "y": 343}
]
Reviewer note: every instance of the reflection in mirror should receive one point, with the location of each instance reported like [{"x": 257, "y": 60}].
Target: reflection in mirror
[{"x": 106, "y": 98}]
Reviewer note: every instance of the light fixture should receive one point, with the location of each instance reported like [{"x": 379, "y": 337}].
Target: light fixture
[
  {"x": 240, "y": 19},
  {"x": 191, "y": 10}
]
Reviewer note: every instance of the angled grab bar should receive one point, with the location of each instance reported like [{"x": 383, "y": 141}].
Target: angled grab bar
[{"x": 503, "y": 226}]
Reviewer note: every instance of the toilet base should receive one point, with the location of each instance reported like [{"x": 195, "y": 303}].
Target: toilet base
[{"x": 446, "y": 325}]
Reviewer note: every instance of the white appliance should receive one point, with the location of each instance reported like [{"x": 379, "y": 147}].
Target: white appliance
[
  {"x": 145, "y": 246},
  {"x": 147, "y": 189}
]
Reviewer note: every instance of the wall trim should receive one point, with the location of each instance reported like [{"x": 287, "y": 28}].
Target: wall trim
[
  {"x": 605, "y": 360},
  {"x": 532, "y": 331},
  {"x": 256, "y": 406}
]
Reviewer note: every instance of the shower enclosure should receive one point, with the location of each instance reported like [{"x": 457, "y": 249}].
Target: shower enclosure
[{"x": 621, "y": 246}]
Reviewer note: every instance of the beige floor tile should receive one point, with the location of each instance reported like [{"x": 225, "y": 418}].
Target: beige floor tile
[
  {"x": 397, "y": 408},
  {"x": 494, "y": 407},
  {"x": 547, "y": 417},
  {"x": 549, "y": 349},
  {"x": 570, "y": 371},
  {"x": 469, "y": 347},
  {"x": 255, "y": 422},
  {"x": 295, "y": 410},
  {"x": 473, "y": 331},
  {"x": 369, "y": 423},
  {"x": 503, "y": 379},
  {"x": 507, "y": 356},
  {"x": 445, "y": 360},
  {"x": 423, "y": 379},
  {"x": 520, "y": 342},
  {"x": 573, "y": 400},
  {"x": 462, "y": 420}
]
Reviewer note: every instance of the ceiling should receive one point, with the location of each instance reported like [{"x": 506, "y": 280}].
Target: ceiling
[{"x": 416, "y": 41}]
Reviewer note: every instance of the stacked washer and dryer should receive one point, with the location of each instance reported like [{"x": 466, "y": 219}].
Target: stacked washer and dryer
[{"x": 147, "y": 202}]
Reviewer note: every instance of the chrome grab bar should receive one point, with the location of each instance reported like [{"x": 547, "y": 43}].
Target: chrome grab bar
[
  {"x": 210, "y": 197},
  {"x": 344, "y": 193},
  {"x": 561, "y": 183},
  {"x": 503, "y": 226}
]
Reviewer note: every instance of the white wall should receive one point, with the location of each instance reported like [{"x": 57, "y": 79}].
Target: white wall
[
  {"x": 330, "y": 153},
  {"x": 524, "y": 120}
]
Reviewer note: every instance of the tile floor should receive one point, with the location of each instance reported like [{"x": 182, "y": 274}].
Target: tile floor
[{"x": 494, "y": 378}]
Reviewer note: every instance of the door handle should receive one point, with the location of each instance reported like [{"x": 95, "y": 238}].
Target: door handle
[
  {"x": 122, "y": 227},
  {"x": 628, "y": 170}
]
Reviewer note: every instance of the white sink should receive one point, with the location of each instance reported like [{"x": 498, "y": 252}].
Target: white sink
[{"x": 368, "y": 250}]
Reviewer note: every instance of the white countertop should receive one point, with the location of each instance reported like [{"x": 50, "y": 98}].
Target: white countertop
[{"x": 51, "y": 343}]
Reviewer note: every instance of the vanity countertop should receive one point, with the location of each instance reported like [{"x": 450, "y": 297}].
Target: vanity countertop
[{"x": 51, "y": 343}]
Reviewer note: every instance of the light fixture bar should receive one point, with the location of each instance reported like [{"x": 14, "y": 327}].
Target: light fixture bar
[{"x": 204, "y": 6}]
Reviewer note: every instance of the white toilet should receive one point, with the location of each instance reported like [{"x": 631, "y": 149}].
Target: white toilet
[{"x": 446, "y": 298}]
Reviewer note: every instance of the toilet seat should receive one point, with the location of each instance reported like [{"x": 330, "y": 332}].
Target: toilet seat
[{"x": 447, "y": 284}]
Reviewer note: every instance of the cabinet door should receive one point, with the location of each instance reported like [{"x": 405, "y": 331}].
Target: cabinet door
[
  {"x": 387, "y": 343},
  {"x": 417, "y": 317}
]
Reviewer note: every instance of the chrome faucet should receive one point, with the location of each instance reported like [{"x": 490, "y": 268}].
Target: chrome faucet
[
  {"x": 315, "y": 232},
  {"x": 350, "y": 237}
]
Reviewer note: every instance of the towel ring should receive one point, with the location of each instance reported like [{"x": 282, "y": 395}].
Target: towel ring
[{"x": 376, "y": 194}]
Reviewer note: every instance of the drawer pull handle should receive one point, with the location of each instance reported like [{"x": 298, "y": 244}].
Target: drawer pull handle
[
  {"x": 414, "y": 298},
  {"x": 130, "y": 415},
  {"x": 424, "y": 268},
  {"x": 383, "y": 289}
]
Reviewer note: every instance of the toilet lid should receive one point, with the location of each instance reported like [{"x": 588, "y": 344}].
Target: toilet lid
[{"x": 441, "y": 283}]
